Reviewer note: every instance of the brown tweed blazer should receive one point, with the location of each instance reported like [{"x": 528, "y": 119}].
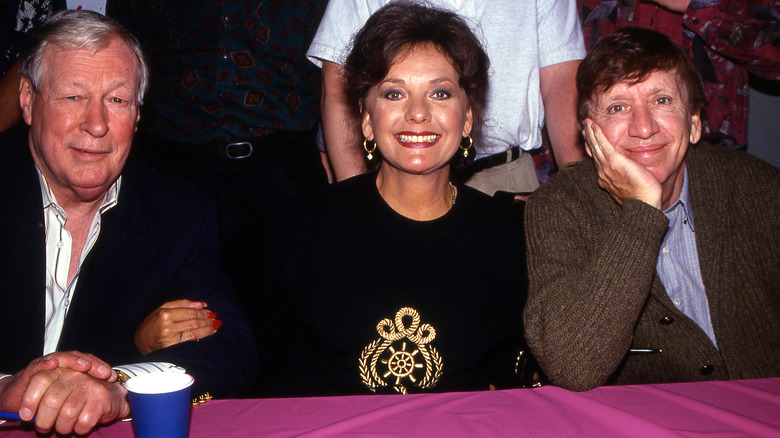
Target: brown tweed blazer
[{"x": 594, "y": 292}]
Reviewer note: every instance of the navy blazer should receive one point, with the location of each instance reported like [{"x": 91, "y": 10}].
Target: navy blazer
[{"x": 159, "y": 243}]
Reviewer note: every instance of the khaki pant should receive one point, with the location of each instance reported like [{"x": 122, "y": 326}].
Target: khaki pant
[{"x": 516, "y": 176}]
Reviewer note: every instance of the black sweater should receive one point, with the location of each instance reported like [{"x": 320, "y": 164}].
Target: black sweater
[{"x": 342, "y": 261}]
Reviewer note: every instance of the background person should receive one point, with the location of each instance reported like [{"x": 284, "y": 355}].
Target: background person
[
  {"x": 534, "y": 48},
  {"x": 233, "y": 107},
  {"x": 17, "y": 19}
]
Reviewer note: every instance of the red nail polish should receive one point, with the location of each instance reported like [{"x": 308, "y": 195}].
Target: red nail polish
[
  {"x": 216, "y": 324},
  {"x": 212, "y": 315}
]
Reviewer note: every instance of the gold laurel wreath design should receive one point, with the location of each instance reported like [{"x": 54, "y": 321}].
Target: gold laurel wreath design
[
  {"x": 432, "y": 360},
  {"x": 365, "y": 374}
]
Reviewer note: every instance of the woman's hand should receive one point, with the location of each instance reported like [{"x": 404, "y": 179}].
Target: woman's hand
[{"x": 175, "y": 322}]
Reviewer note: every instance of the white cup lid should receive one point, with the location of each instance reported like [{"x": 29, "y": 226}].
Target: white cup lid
[{"x": 159, "y": 383}]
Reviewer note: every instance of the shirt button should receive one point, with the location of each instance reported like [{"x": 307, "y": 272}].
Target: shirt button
[
  {"x": 60, "y": 244},
  {"x": 706, "y": 370},
  {"x": 667, "y": 320},
  {"x": 666, "y": 250}
]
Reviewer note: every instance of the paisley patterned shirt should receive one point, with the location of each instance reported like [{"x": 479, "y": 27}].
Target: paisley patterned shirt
[
  {"x": 226, "y": 70},
  {"x": 728, "y": 39}
]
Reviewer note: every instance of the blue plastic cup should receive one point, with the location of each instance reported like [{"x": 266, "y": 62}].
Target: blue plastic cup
[{"x": 160, "y": 404}]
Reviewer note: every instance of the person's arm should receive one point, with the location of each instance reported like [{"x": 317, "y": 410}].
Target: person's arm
[
  {"x": 590, "y": 272},
  {"x": 61, "y": 398},
  {"x": 673, "y": 5},
  {"x": 559, "y": 95},
  {"x": 340, "y": 126},
  {"x": 588, "y": 284},
  {"x": 225, "y": 363},
  {"x": 10, "y": 110}
]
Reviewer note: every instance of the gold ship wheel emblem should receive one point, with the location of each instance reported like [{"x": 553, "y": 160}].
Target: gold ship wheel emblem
[{"x": 402, "y": 355}]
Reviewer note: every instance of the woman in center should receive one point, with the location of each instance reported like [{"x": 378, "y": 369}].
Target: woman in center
[{"x": 389, "y": 281}]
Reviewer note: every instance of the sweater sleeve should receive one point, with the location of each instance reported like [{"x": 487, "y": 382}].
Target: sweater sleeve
[{"x": 590, "y": 275}]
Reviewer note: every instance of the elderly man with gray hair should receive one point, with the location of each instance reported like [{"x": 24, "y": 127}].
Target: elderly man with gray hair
[{"x": 96, "y": 247}]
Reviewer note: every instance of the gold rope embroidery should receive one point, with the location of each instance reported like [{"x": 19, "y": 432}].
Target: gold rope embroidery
[{"x": 392, "y": 361}]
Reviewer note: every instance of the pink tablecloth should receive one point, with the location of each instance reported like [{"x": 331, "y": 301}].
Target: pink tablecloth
[{"x": 724, "y": 409}]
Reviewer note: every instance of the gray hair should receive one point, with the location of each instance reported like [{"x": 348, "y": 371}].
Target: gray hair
[{"x": 75, "y": 30}]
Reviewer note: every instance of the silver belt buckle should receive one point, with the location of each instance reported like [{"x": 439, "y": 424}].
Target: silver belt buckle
[{"x": 237, "y": 151}]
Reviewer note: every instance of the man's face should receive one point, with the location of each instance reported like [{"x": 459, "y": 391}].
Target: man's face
[
  {"x": 649, "y": 122},
  {"x": 82, "y": 119}
]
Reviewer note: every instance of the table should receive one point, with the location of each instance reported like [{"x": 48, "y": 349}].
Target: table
[{"x": 723, "y": 409}]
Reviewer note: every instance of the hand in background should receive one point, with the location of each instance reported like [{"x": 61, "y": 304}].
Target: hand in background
[
  {"x": 175, "y": 322},
  {"x": 672, "y": 5}
]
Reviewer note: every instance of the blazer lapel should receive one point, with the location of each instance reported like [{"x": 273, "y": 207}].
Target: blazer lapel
[
  {"x": 709, "y": 217},
  {"x": 112, "y": 268}
]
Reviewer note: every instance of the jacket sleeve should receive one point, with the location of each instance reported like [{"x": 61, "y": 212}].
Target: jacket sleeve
[
  {"x": 224, "y": 364},
  {"x": 590, "y": 276}
]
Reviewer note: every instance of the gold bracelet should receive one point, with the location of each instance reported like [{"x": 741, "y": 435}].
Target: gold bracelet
[{"x": 121, "y": 377}]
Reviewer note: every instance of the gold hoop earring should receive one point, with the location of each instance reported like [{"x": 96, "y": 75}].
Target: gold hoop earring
[
  {"x": 467, "y": 148},
  {"x": 369, "y": 153}
]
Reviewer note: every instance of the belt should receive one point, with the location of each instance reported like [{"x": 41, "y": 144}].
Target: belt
[
  {"x": 234, "y": 150},
  {"x": 495, "y": 160}
]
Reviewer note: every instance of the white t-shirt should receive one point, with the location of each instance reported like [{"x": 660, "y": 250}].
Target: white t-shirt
[{"x": 519, "y": 36}]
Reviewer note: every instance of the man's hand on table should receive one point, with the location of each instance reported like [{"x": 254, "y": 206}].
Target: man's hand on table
[
  {"x": 620, "y": 176},
  {"x": 68, "y": 391},
  {"x": 74, "y": 360}
]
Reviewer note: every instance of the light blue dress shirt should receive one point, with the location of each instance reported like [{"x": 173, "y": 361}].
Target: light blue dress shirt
[{"x": 678, "y": 263}]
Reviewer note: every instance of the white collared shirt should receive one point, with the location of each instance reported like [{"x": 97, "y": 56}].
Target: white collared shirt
[{"x": 59, "y": 244}]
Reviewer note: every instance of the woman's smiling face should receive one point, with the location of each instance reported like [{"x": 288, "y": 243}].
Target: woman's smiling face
[{"x": 418, "y": 113}]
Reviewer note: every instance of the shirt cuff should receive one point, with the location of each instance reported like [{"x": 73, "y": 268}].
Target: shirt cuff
[
  {"x": 3, "y": 376},
  {"x": 126, "y": 372}
]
